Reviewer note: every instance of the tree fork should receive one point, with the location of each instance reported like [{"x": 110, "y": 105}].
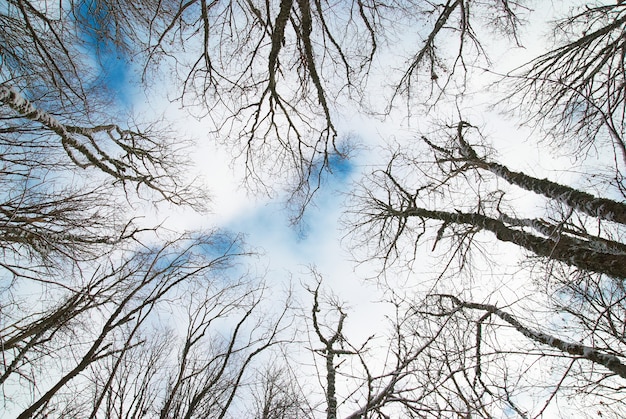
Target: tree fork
[{"x": 603, "y": 208}]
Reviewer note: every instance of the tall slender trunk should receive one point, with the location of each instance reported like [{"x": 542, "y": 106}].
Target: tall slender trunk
[{"x": 572, "y": 251}]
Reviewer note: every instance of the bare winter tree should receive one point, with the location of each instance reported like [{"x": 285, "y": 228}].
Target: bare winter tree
[
  {"x": 561, "y": 238},
  {"x": 80, "y": 293},
  {"x": 106, "y": 339},
  {"x": 576, "y": 90},
  {"x": 277, "y": 394},
  {"x": 272, "y": 79},
  {"x": 68, "y": 162},
  {"x": 462, "y": 199},
  {"x": 450, "y": 191},
  {"x": 207, "y": 382},
  {"x": 394, "y": 372},
  {"x": 580, "y": 361},
  {"x": 333, "y": 346}
]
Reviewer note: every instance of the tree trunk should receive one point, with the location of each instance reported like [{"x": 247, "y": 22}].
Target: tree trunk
[{"x": 572, "y": 251}]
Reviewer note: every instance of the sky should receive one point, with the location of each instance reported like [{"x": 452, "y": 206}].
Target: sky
[
  {"x": 113, "y": 66},
  {"x": 288, "y": 252}
]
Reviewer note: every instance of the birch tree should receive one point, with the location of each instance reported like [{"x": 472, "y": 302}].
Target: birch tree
[
  {"x": 273, "y": 79},
  {"x": 270, "y": 79},
  {"x": 105, "y": 352},
  {"x": 395, "y": 371},
  {"x": 449, "y": 194},
  {"x": 575, "y": 91},
  {"x": 83, "y": 281},
  {"x": 68, "y": 162}
]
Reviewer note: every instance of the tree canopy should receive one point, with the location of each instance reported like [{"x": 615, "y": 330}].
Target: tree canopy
[{"x": 501, "y": 283}]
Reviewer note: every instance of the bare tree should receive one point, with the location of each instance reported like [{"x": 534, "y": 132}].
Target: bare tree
[
  {"x": 273, "y": 78},
  {"x": 121, "y": 362},
  {"x": 67, "y": 159},
  {"x": 334, "y": 345},
  {"x": 454, "y": 193},
  {"x": 565, "y": 237},
  {"x": 277, "y": 394},
  {"x": 69, "y": 169},
  {"x": 207, "y": 382},
  {"x": 447, "y": 357},
  {"x": 447, "y": 192},
  {"x": 394, "y": 372},
  {"x": 576, "y": 90},
  {"x": 498, "y": 363}
]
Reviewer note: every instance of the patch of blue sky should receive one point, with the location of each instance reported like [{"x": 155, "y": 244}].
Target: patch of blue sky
[
  {"x": 219, "y": 244},
  {"x": 341, "y": 169},
  {"x": 112, "y": 64},
  {"x": 509, "y": 412},
  {"x": 219, "y": 249},
  {"x": 268, "y": 227}
]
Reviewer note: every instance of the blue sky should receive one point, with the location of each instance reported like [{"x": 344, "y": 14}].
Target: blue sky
[
  {"x": 267, "y": 223},
  {"x": 112, "y": 63},
  {"x": 289, "y": 251}
]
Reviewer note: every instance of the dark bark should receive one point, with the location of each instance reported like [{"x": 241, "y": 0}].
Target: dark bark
[
  {"x": 606, "y": 209},
  {"x": 329, "y": 352},
  {"x": 572, "y": 251},
  {"x": 611, "y": 362},
  {"x": 584, "y": 202}
]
